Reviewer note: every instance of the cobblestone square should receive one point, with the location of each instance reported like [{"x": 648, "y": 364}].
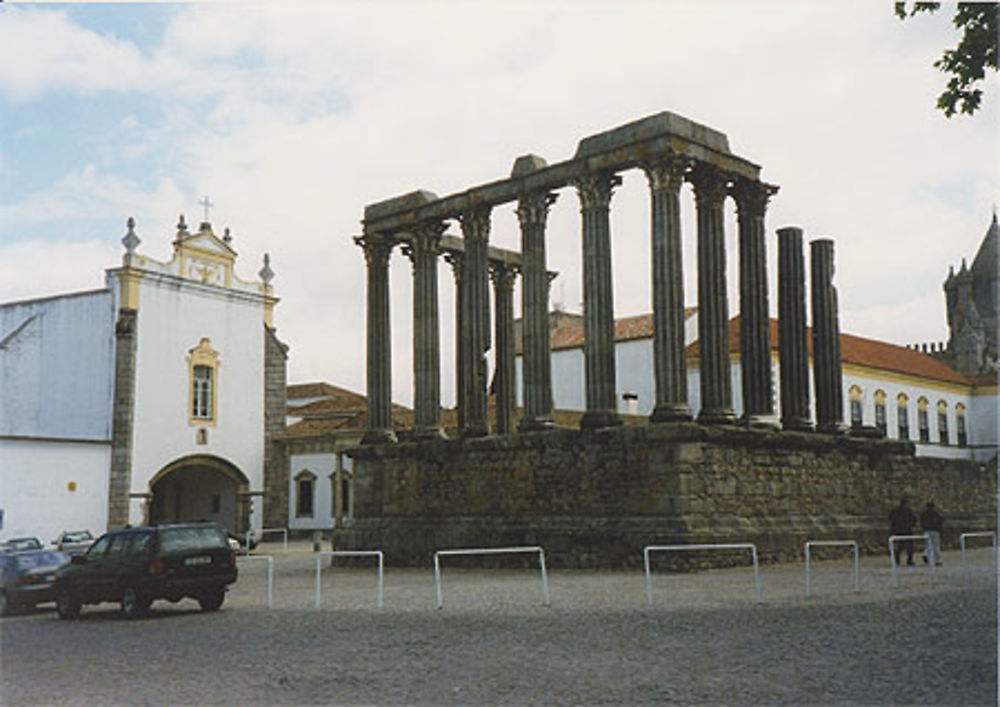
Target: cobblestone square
[{"x": 703, "y": 641}]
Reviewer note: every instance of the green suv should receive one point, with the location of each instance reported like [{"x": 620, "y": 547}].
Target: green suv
[{"x": 134, "y": 566}]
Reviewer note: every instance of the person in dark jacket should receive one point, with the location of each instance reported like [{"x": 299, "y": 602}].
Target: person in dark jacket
[
  {"x": 901, "y": 522},
  {"x": 931, "y": 522}
]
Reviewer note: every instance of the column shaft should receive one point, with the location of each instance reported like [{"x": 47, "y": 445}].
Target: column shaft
[
  {"x": 377, "y": 250},
  {"x": 532, "y": 210},
  {"x": 755, "y": 339},
  {"x": 713, "y": 304},
  {"x": 598, "y": 301},
  {"x": 826, "y": 339},
  {"x": 669, "y": 359},
  {"x": 455, "y": 260},
  {"x": 505, "y": 385},
  {"x": 793, "y": 355},
  {"x": 423, "y": 250},
  {"x": 474, "y": 334}
]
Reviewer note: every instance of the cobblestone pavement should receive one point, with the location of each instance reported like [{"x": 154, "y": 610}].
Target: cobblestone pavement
[{"x": 703, "y": 641}]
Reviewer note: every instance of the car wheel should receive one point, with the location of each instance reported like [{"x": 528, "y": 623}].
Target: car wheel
[
  {"x": 66, "y": 606},
  {"x": 134, "y": 605},
  {"x": 212, "y": 599}
]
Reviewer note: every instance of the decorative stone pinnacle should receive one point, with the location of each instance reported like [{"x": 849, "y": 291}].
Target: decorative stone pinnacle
[
  {"x": 266, "y": 273},
  {"x": 227, "y": 237},
  {"x": 130, "y": 240},
  {"x": 182, "y": 226}
]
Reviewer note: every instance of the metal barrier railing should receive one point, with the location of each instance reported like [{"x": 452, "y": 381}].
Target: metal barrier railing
[
  {"x": 270, "y": 573},
  {"x": 846, "y": 543},
  {"x": 961, "y": 543},
  {"x": 350, "y": 553},
  {"x": 491, "y": 551},
  {"x": 727, "y": 546},
  {"x": 892, "y": 555}
]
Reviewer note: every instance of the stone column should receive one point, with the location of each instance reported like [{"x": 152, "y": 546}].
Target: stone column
[
  {"x": 423, "y": 249},
  {"x": 455, "y": 260},
  {"x": 710, "y": 188},
  {"x": 378, "y": 248},
  {"x": 123, "y": 418},
  {"x": 826, "y": 339},
  {"x": 598, "y": 301},
  {"x": 474, "y": 333},
  {"x": 669, "y": 360},
  {"x": 755, "y": 326},
  {"x": 503, "y": 277},
  {"x": 793, "y": 354},
  {"x": 532, "y": 210}
]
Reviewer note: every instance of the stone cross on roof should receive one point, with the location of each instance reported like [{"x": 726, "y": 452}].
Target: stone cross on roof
[{"x": 208, "y": 205}]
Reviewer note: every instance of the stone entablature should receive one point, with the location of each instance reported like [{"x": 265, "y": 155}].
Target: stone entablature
[
  {"x": 670, "y": 150},
  {"x": 594, "y": 498}
]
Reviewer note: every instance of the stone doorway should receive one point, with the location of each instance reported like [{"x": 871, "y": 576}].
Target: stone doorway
[{"x": 200, "y": 488}]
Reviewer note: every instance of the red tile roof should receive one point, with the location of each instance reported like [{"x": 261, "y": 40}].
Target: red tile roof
[{"x": 856, "y": 350}]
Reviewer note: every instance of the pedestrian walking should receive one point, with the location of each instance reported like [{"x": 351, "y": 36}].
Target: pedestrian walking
[
  {"x": 901, "y": 522},
  {"x": 931, "y": 522}
]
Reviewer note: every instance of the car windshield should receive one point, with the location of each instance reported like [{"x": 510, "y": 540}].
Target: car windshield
[
  {"x": 24, "y": 544},
  {"x": 47, "y": 558},
  {"x": 197, "y": 538},
  {"x": 79, "y": 536}
]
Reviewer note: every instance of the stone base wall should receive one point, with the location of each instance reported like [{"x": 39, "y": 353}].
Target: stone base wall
[{"x": 596, "y": 498}]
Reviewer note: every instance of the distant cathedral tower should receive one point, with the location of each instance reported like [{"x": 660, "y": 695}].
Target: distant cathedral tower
[{"x": 971, "y": 299}]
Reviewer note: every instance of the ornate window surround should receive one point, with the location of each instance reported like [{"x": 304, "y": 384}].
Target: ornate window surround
[{"x": 204, "y": 356}]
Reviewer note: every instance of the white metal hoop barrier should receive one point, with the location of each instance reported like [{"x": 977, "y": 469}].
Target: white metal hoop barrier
[
  {"x": 827, "y": 543},
  {"x": 283, "y": 531},
  {"x": 350, "y": 553},
  {"x": 961, "y": 544},
  {"x": 270, "y": 573},
  {"x": 491, "y": 551},
  {"x": 730, "y": 546},
  {"x": 892, "y": 555}
]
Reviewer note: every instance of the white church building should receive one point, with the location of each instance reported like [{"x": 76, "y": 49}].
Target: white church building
[{"x": 158, "y": 397}]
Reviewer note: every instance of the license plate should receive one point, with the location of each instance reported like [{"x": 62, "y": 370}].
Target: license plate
[
  {"x": 202, "y": 560},
  {"x": 50, "y": 578}
]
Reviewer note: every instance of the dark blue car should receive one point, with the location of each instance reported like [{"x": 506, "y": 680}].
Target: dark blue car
[{"x": 26, "y": 578}]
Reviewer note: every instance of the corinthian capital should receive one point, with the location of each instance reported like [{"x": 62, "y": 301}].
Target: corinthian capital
[
  {"x": 667, "y": 172},
  {"x": 425, "y": 238},
  {"x": 752, "y": 195},
  {"x": 377, "y": 248},
  {"x": 595, "y": 189},
  {"x": 532, "y": 209},
  {"x": 503, "y": 275},
  {"x": 476, "y": 222},
  {"x": 711, "y": 185}
]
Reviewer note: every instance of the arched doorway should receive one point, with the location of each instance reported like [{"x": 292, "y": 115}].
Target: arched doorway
[{"x": 200, "y": 487}]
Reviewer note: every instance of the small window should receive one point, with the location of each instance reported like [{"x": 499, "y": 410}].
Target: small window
[
  {"x": 202, "y": 403},
  {"x": 880, "y": 412},
  {"x": 305, "y": 487},
  {"x": 942, "y": 410},
  {"x": 854, "y": 394},
  {"x": 902, "y": 417},
  {"x": 963, "y": 439}
]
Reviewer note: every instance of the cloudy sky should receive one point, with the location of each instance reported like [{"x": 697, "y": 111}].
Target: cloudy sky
[{"x": 293, "y": 117}]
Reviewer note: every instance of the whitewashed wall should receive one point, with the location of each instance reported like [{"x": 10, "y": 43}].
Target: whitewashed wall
[
  {"x": 173, "y": 318},
  {"x": 634, "y": 374},
  {"x": 56, "y": 373},
  {"x": 35, "y": 494}
]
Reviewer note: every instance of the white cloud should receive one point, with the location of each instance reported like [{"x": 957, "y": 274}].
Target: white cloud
[{"x": 293, "y": 117}]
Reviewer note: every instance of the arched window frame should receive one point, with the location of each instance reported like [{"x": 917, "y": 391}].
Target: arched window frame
[
  {"x": 305, "y": 494},
  {"x": 960, "y": 429},
  {"x": 923, "y": 422},
  {"x": 942, "y": 413},
  {"x": 880, "y": 419},
  {"x": 903, "y": 416},
  {"x": 857, "y": 412},
  {"x": 203, "y": 384}
]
